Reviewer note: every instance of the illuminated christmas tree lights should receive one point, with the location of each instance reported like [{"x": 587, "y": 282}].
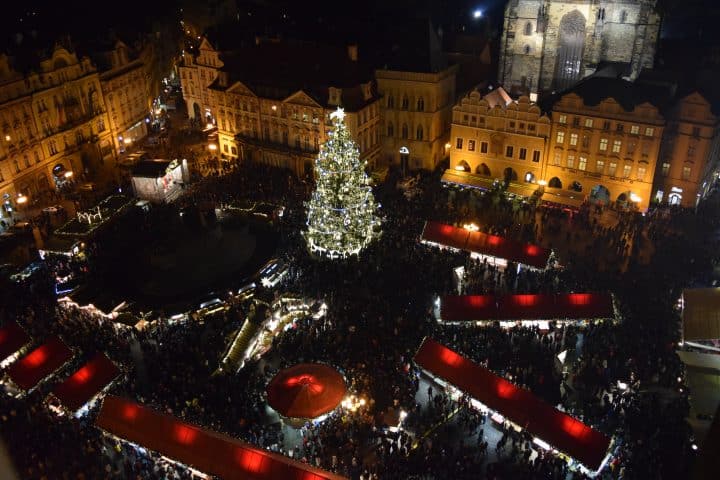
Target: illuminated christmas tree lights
[{"x": 341, "y": 212}]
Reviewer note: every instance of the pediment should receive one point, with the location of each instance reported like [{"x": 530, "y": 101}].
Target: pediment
[
  {"x": 302, "y": 98},
  {"x": 240, "y": 88}
]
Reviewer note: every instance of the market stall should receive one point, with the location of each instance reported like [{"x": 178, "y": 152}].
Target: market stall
[
  {"x": 498, "y": 250},
  {"x": 210, "y": 452},
  {"x": 552, "y": 429},
  {"x": 13, "y": 341},
  {"x": 86, "y": 383},
  {"x": 306, "y": 391},
  {"x": 32, "y": 369},
  {"x": 526, "y": 307}
]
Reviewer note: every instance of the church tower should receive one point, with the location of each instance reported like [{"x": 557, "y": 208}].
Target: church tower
[{"x": 548, "y": 45}]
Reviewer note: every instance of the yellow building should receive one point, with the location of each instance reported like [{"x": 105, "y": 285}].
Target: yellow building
[
  {"x": 54, "y": 126},
  {"x": 124, "y": 84},
  {"x": 687, "y": 151},
  {"x": 494, "y": 138},
  {"x": 197, "y": 72},
  {"x": 604, "y": 144},
  {"x": 416, "y": 114},
  {"x": 272, "y": 106}
]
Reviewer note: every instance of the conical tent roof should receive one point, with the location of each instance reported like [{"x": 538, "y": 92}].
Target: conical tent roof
[{"x": 306, "y": 390}]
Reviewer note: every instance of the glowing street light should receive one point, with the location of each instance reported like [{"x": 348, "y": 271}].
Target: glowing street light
[
  {"x": 68, "y": 174},
  {"x": 21, "y": 199},
  {"x": 634, "y": 198},
  {"x": 477, "y": 13},
  {"x": 212, "y": 147},
  {"x": 542, "y": 182}
]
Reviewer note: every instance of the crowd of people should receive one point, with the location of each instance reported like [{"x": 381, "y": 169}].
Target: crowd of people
[{"x": 380, "y": 307}]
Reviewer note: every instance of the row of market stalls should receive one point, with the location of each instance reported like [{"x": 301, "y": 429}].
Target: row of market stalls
[
  {"x": 525, "y": 308},
  {"x": 496, "y": 249},
  {"x": 24, "y": 370},
  {"x": 583, "y": 447},
  {"x": 206, "y": 451}
]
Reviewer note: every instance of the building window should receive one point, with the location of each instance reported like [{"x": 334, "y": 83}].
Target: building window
[
  {"x": 390, "y": 130},
  {"x": 316, "y": 120},
  {"x": 603, "y": 144},
  {"x": 649, "y": 131},
  {"x": 225, "y": 147},
  {"x": 471, "y": 145},
  {"x": 634, "y": 129},
  {"x": 606, "y": 125},
  {"x": 588, "y": 123},
  {"x": 696, "y": 132},
  {"x": 573, "y": 139},
  {"x": 405, "y": 103},
  {"x": 562, "y": 119},
  {"x": 557, "y": 158},
  {"x": 528, "y": 28},
  {"x": 691, "y": 150},
  {"x": 612, "y": 168},
  {"x": 620, "y": 128},
  {"x": 37, "y": 156},
  {"x": 631, "y": 148},
  {"x": 600, "y": 166},
  {"x": 560, "y": 137},
  {"x": 665, "y": 169},
  {"x": 586, "y": 142},
  {"x": 571, "y": 161},
  {"x": 523, "y": 153},
  {"x": 617, "y": 144},
  {"x": 419, "y": 132},
  {"x": 582, "y": 164},
  {"x": 466, "y": 118},
  {"x": 536, "y": 156},
  {"x": 512, "y": 124},
  {"x": 626, "y": 171},
  {"x": 531, "y": 127},
  {"x": 576, "y": 121},
  {"x": 509, "y": 151},
  {"x": 458, "y": 143},
  {"x": 686, "y": 173},
  {"x": 233, "y": 150},
  {"x": 420, "y": 105},
  {"x": 526, "y": 49},
  {"x": 483, "y": 147},
  {"x": 473, "y": 119},
  {"x": 391, "y": 101},
  {"x": 641, "y": 173},
  {"x": 404, "y": 131},
  {"x": 623, "y": 16},
  {"x": 16, "y": 165}
]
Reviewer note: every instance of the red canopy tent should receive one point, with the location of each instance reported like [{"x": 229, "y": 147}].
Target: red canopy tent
[
  {"x": 210, "y": 452},
  {"x": 12, "y": 339},
  {"x": 486, "y": 244},
  {"x": 572, "y": 306},
  {"x": 80, "y": 387},
  {"x": 30, "y": 370},
  {"x": 560, "y": 430},
  {"x": 306, "y": 390}
]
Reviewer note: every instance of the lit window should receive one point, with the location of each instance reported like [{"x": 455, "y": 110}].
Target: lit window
[
  {"x": 571, "y": 161},
  {"x": 560, "y": 137},
  {"x": 616, "y": 146},
  {"x": 603, "y": 144},
  {"x": 562, "y": 119},
  {"x": 600, "y": 166},
  {"x": 582, "y": 164},
  {"x": 557, "y": 158},
  {"x": 612, "y": 168},
  {"x": 634, "y": 129},
  {"x": 665, "y": 169},
  {"x": 686, "y": 173},
  {"x": 471, "y": 145},
  {"x": 459, "y": 143},
  {"x": 649, "y": 131},
  {"x": 626, "y": 171},
  {"x": 641, "y": 173},
  {"x": 573, "y": 139},
  {"x": 588, "y": 123}
]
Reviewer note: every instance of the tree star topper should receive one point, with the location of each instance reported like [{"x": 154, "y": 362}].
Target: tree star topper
[{"x": 339, "y": 114}]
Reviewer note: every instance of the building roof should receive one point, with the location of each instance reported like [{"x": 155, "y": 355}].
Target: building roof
[
  {"x": 567, "y": 434},
  {"x": 12, "y": 339},
  {"x": 89, "y": 380},
  {"x": 306, "y": 390},
  {"x": 30, "y": 370},
  {"x": 150, "y": 168},
  {"x": 210, "y": 452},
  {"x": 701, "y": 314},
  {"x": 629, "y": 95}
]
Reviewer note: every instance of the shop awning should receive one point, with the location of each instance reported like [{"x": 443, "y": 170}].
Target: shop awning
[
  {"x": 563, "y": 198},
  {"x": 80, "y": 387},
  {"x": 701, "y": 314},
  {"x": 566, "y": 306},
  {"x": 31, "y": 369},
  {"x": 540, "y": 419},
  {"x": 467, "y": 179},
  {"x": 12, "y": 339},
  {"x": 306, "y": 390},
  {"x": 486, "y": 244},
  {"x": 210, "y": 452}
]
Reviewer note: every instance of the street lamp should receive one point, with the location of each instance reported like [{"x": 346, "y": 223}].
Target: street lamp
[
  {"x": 477, "y": 13},
  {"x": 212, "y": 147},
  {"x": 21, "y": 199},
  {"x": 634, "y": 198}
]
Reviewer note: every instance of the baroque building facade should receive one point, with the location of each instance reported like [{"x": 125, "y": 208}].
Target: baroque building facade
[
  {"x": 281, "y": 118},
  {"x": 416, "y": 113},
  {"x": 548, "y": 45},
  {"x": 54, "y": 126}
]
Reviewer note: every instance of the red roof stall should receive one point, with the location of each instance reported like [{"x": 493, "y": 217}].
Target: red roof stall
[
  {"x": 210, "y": 452},
  {"x": 306, "y": 390},
  {"x": 560, "y": 430},
  {"x": 566, "y": 306},
  {"x": 12, "y": 339},
  {"x": 30, "y": 370},
  {"x": 486, "y": 244},
  {"x": 80, "y": 387}
]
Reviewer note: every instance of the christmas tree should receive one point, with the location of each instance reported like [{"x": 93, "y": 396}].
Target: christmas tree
[{"x": 341, "y": 213}]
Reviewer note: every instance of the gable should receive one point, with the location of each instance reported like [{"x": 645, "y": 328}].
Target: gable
[
  {"x": 206, "y": 45},
  {"x": 239, "y": 88},
  {"x": 301, "y": 98}
]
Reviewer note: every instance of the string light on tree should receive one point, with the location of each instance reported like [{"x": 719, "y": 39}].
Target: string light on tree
[{"x": 341, "y": 212}]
